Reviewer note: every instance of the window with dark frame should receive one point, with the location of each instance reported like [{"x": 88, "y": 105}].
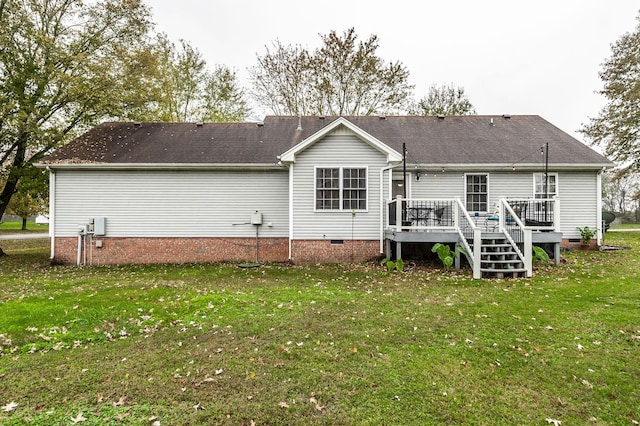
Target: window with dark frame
[
  {"x": 477, "y": 192},
  {"x": 341, "y": 188}
]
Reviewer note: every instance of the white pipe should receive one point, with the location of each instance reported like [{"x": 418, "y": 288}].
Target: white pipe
[
  {"x": 383, "y": 204},
  {"x": 291, "y": 171},
  {"x": 79, "y": 249},
  {"x": 600, "y": 231},
  {"x": 52, "y": 211}
]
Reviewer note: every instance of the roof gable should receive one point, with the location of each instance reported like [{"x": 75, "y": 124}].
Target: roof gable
[{"x": 290, "y": 155}]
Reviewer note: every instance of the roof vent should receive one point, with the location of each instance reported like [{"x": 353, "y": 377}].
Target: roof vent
[
  {"x": 440, "y": 117},
  {"x": 260, "y": 124},
  {"x": 506, "y": 116},
  {"x": 137, "y": 124},
  {"x": 200, "y": 124},
  {"x": 322, "y": 117},
  {"x": 299, "y": 128},
  {"x": 383, "y": 117},
  {"x": 491, "y": 123}
]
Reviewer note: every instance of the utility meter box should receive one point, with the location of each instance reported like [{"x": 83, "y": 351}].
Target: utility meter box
[
  {"x": 256, "y": 218},
  {"x": 99, "y": 226}
]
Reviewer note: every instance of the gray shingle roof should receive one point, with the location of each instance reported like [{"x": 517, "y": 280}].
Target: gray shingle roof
[{"x": 475, "y": 139}]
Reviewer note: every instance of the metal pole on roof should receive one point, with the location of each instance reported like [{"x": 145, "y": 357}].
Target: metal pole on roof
[
  {"x": 546, "y": 170},
  {"x": 404, "y": 182},
  {"x": 404, "y": 170},
  {"x": 546, "y": 181}
]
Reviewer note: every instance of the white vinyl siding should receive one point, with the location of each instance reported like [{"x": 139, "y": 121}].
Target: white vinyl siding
[
  {"x": 437, "y": 185},
  {"x": 578, "y": 202},
  {"x": 337, "y": 150},
  {"x": 576, "y": 192},
  {"x": 173, "y": 203}
]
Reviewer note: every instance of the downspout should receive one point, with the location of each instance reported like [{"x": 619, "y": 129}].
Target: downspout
[
  {"x": 291, "y": 211},
  {"x": 52, "y": 211},
  {"x": 599, "y": 205},
  {"x": 383, "y": 204}
]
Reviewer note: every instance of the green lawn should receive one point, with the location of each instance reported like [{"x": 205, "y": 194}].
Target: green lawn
[
  {"x": 626, "y": 226},
  {"x": 16, "y": 228},
  {"x": 319, "y": 345}
]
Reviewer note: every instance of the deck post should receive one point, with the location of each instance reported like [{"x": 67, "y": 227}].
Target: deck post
[
  {"x": 399, "y": 216},
  {"x": 528, "y": 252},
  {"x": 477, "y": 250}
]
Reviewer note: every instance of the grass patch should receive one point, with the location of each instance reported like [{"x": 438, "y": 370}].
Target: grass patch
[
  {"x": 331, "y": 344},
  {"x": 16, "y": 228},
  {"x": 626, "y": 226}
]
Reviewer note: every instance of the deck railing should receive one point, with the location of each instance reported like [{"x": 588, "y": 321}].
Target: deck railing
[
  {"x": 424, "y": 215},
  {"x": 512, "y": 224},
  {"x": 515, "y": 218}
]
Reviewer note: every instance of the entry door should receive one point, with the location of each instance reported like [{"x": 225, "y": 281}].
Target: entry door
[{"x": 397, "y": 188}]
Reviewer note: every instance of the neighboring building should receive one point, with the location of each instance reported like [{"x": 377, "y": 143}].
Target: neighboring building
[{"x": 316, "y": 189}]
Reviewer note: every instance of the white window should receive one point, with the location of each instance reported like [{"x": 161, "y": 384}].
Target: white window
[
  {"x": 539, "y": 185},
  {"x": 477, "y": 192},
  {"x": 341, "y": 188}
]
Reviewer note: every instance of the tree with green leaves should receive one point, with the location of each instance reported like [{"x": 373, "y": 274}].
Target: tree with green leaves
[
  {"x": 343, "y": 77},
  {"x": 187, "y": 91},
  {"x": 444, "y": 100},
  {"x": 64, "y": 66},
  {"x": 25, "y": 205},
  {"x": 617, "y": 126}
]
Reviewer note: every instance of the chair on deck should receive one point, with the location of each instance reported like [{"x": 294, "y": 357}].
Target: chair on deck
[
  {"x": 439, "y": 213},
  {"x": 492, "y": 220}
]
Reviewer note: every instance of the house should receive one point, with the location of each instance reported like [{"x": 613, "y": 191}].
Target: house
[{"x": 322, "y": 189}]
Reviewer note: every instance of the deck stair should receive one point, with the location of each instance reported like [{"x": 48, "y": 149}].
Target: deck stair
[{"x": 498, "y": 258}]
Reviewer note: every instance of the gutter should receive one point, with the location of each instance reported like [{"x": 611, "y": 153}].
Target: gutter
[
  {"x": 160, "y": 166},
  {"x": 382, "y": 203},
  {"x": 502, "y": 167},
  {"x": 52, "y": 211}
]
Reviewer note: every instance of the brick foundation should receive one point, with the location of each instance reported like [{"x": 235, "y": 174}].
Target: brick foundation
[
  {"x": 173, "y": 250},
  {"x": 337, "y": 251},
  {"x": 593, "y": 245}
]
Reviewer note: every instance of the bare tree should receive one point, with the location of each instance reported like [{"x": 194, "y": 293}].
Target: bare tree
[
  {"x": 444, "y": 100},
  {"x": 343, "y": 77}
]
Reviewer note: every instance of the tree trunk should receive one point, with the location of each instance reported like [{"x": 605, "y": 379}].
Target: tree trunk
[
  {"x": 5, "y": 195},
  {"x": 24, "y": 224}
]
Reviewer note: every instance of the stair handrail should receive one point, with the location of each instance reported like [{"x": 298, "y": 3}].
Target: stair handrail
[
  {"x": 527, "y": 256},
  {"x": 460, "y": 208}
]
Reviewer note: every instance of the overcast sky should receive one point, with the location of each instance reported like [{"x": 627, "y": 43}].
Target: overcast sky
[{"x": 511, "y": 57}]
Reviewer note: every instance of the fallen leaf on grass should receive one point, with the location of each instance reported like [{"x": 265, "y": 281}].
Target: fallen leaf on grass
[
  {"x": 317, "y": 404},
  {"x": 9, "y": 407},
  {"x": 120, "y": 401},
  {"x": 554, "y": 422},
  {"x": 79, "y": 418},
  {"x": 283, "y": 404}
]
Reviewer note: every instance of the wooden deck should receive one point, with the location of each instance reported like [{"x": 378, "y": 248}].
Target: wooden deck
[{"x": 518, "y": 223}]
